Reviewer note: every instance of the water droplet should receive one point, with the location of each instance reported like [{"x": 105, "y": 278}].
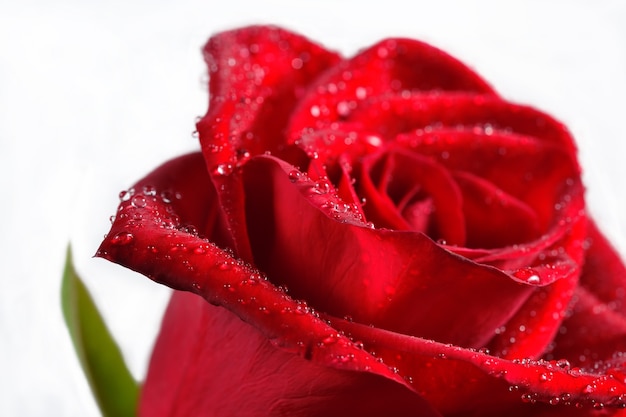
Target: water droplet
[
  {"x": 189, "y": 229},
  {"x": 294, "y": 175},
  {"x": 138, "y": 201},
  {"x": 112, "y": 219},
  {"x": 528, "y": 275},
  {"x": 225, "y": 266},
  {"x": 343, "y": 109},
  {"x": 213, "y": 148},
  {"x": 322, "y": 186},
  {"x": 122, "y": 238},
  {"x": 223, "y": 169},
  {"x": 563, "y": 364},
  {"x": 331, "y": 339},
  {"x": 315, "y": 111},
  {"x": 296, "y": 63},
  {"x": 149, "y": 190},
  {"x": 546, "y": 377},
  {"x": 179, "y": 247},
  {"x": 527, "y": 398},
  {"x": 373, "y": 140},
  {"x": 534, "y": 279},
  {"x": 166, "y": 196},
  {"x": 124, "y": 195}
]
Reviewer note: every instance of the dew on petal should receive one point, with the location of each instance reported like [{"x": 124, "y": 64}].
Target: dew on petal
[
  {"x": 294, "y": 175},
  {"x": 528, "y": 275},
  {"x": 315, "y": 111},
  {"x": 563, "y": 364},
  {"x": 225, "y": 266},
  {"x": 122, "y": 238},
  {"x": 589, "y": 389},
  {"x": 138, "y": 201},
  {"x": 297, "y": 63},
  {"x": 125, "y": 195},
  {"x": 166, "y": 196},
  {"x": 200, "y": 250},
  {"x": 149, "y": 190},
  {"x": 223, "y": 169},
  {"x": 343, "y": 109},
  {"x": 546, "y": 377}
]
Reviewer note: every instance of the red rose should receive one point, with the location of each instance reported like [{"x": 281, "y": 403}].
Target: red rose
[{"x": 380, "y": 235}]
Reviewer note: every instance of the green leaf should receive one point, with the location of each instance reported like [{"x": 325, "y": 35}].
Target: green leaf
[{"x": 113, "y": 386}]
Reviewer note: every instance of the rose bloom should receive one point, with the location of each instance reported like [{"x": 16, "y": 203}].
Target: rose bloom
[{"x": 381, "y": 235}]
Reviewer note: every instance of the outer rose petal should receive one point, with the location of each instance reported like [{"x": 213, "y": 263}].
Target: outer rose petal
[
  {"x": 604, "y": 273},
  {"x": 459, "y": 381},
  {"x": 256, "y": 76},
  {"x": 216, "y": 365},
  {"x": 390, "y": 66},
  {"x": 595, "y": 332}
]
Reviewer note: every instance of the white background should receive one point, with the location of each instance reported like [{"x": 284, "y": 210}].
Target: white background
[{"x": 93, "y": 95}]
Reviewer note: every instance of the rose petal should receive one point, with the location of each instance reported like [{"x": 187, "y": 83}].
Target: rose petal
[
  {"x": 595, "y": 332},
  {"x": 208, "y": 362},
  {"x": 604, "y": 274},
  {"x": 484, "y": 114},
  {"x": 149, "y": 237},
  {"x": 256, "y": 76},
  {"x": 532, "y": 329},
  {"x": 557, "y": 268},
  {"x": 390, "y": 66},
  {"x": 593, "y": 336},
  {"x": 389, "y": 176},
  {"x": 184, "y": 185},
  {"x": 388, "y": 279},
  {"x": 494, "y": 218},
  {"x": 469, "y": 382}
]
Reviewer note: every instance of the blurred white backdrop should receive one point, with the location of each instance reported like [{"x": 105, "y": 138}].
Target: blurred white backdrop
[{"x": 93, "y": 95}]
